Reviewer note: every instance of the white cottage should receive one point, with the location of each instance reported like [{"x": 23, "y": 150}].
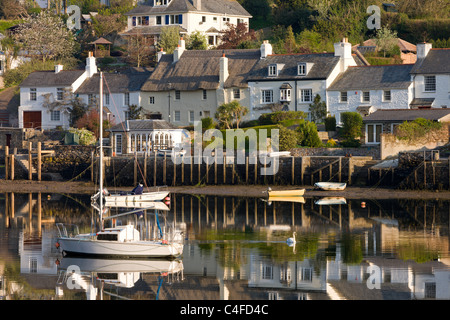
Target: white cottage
[{"x": 207, "y": 16}]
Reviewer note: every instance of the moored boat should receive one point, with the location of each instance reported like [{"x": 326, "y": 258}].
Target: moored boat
[{"x": 330, "y": 186}]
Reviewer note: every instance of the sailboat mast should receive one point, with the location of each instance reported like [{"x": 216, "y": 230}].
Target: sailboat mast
[{"x": 101, "y": 148}]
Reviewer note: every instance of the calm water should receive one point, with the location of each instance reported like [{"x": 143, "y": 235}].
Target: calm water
[{"x": 235, "y": 248}]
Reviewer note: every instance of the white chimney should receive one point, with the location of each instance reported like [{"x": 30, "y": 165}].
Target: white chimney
[
  {"x": 160, "y": 54},
  {"x": 423, "y": 49},
  {"x": 343, "y": 50},
  {"x": 198, "y": 4},
  {"x": 91, "y": 67},
  {"x": 266, "y": 49},
  {"x": 223, "y": 73},
  {"x": 58, "y": 68},
  {"x": 179, "y": 50}
]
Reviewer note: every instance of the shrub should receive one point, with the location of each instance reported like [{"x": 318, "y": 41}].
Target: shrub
[
  {"x": 308, "y": 135},
  {"x": 208, "y": 123},
  {"x": 416, "y": 129},
  {"x": 287, "y": 138},
  {"x": 352, "y": 125},
  {"x": 330, "y": 123},
  {"x": 278, "y": 116},
  {"x": 331, "y": 143}
]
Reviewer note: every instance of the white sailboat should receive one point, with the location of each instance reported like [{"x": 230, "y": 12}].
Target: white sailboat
[{"x": 118, "y": 241}]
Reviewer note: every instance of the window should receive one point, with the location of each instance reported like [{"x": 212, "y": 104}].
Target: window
[
  {"x": 240, "y": 20},
  {"x": 177, "y": 116},
  {"x": 55, "y": 115},
  {"x": 211, "y": 40},
  {"x": 273, "y": 70},
  {"x": 387, "y": 95},
  {"x": 151, "y": 100},
  {"x": 191, "y": 116},
  {"x": 430, "y": 83},
  {"x": 343, "y": 96},
  {"x": 145, "y": 21},
  {"x": 118, "y": 143},
  {"x": 59, "y": 93},
  {"x": 177, "y": 95},
  {"x": 301, "y": 69},
  {"x": 306, "y": 95},
  {"x": 266, "y": 271},
  {"x": 33, "y": 94},
  {"x": 174, "y": 19},
  {"x": 267, "y": 96},
  {"x": 204, "y": 95},
  {"x": 430, "y": 290},
  {"x": 158, "y": 20},
  {"x": 91, "y": 99},
  {"x": 285, "y": 95},
  {"x": 236, "y": 93},
  {"x": 373, "y": 133},
  {"x": 126, "y": 115},
  {"x": 307, "y": 274},
  {"x": 215, "y": 19},
  {"x": 226, "y": 19},
  {"x": 126, "y": 98},
  {"x": 203, "y": 19},
  {"x": 366, "y": 96},
  {"x": 106, "y": 98}
]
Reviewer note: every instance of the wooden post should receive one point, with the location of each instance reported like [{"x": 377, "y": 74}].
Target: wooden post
[
  {"x": 215, "y": 168},
  {"x": 199, "y": 168},
  {"x": 246, "y": 170},
  {"x": 7, "y": 163},
  {"x": 12, "y": 166},
  {"x": 154, "y": 168},
  {"x": 424, "y": 172},
  {"x": 30, "y": 164},
  {"x": 135, "y": 170},
  {"x": 164, "y": 169},
  {"x": 256, "y": 170},
  {"x": 182, "y": 172},
  {"x": 92, "y": 166},
  {"x": 145, "y": 168},
  {"x": 192, "y": 168},
  {"x": 39, "y": 162},
  {"x": 350, "y": 170},
  {"x": 174, "y": 170},
  {"x": 224, "y": 170},
  {"x": 207, "y": 170},
  {"x": 340, "y": 169},
  {"x": 293, "y": 170}
]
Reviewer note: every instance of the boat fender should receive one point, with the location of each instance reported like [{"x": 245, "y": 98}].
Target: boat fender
[
  {"x": 57, "y": 262},
  {"x": 167, "y": 198},
  {"x": 57, "y": 245},
  {"x": 363, "y": 204},
  {"x": 164, "y": 241}
]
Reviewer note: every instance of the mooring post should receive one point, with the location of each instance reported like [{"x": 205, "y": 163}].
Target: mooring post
[
  {"x": 12, "y": 166},
  {"x": 30, "y": 164},
  {"x": 154, "y": 168},
  {"x": 293, "y": 170},
  {"x": 39, "y": 162},
  {"x": 7, "y": 160}
]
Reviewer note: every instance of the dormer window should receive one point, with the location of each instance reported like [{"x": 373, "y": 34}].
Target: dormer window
[
  {"x": 162, "y": 2},
  {"x": 285, "y": 92},
  {"x": 273, "y": 70},
  {"x": 301, "y": 68}
]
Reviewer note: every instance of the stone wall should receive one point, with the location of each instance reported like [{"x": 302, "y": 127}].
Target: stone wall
[{"x": 365, "y": 151}]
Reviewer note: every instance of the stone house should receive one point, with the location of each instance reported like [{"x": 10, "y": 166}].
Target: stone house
[
  {"x": 207, "y": 16},
  {"x": 291, "y": 81},
  {"x": 386, "y": 121},
  {"x": 144, "y": 136},
  {"x": 365, "y": 89},
  {"x": 431, "y": 77}
]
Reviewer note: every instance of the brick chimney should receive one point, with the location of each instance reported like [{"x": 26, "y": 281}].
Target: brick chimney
[{"x": 223, "y": 73}]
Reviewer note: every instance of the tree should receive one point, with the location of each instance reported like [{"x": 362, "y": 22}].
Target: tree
[
  {"x": 134, "y": 112},
  {"x": 10, "y": 49},
  {"x": 12, "y": 9},
  {"x": 231, "y": 112},
  {"x": 235, "y": 35},
  {"x": 386, "y": 40},
  {"x": 139, "y": 48},
  {"x": 352, "y": 125},
  {"x": 308, "y": 135},
  {"x": 108, "y": 25},
  {"x": 287, "y": 138},
  {"x": 197, "y": 41},
  {"x": 168, "y": 40},
  {"x": 47, "y": 36},
  {"x": 318, "y": 109}
]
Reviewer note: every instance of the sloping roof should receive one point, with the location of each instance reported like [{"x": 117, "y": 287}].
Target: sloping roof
[
  {"x": 404, "y": 46},
  {"x": 143, "y": 125},
  {"x": 373, "y": 77},
  {"x": 199, "y": 69},
  {"x": 323, "y": 64},
  {"x": 51, "y": 79},
  {"x": 101, "y": 41},
  {"x": 400, "y": 115},
  {"x": 229, "y": 7},
  {"x": 128, "y": 81},
  {"x": 150, "y": 30},
  {"x": 436, "y": 61},
  {"x": 422, "y": 102}
]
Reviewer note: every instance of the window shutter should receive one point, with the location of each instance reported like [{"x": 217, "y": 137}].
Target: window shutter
[
  {"x": 167, "y": 19},
  {"x": 180, "y": 19}
]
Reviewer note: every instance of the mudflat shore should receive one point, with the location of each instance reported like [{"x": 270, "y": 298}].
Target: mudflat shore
[{"x": 26, "y": 186}]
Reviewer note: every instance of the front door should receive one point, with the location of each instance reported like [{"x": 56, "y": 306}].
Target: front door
[{"x": 32, "y": 119}]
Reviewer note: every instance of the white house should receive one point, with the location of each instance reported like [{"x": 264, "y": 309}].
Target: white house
[
  {"x": 431, "y": 77},
  {"x": 120, "y": 90},
  {"x": 50, "y": 86},
  {"x": 191, "y": 84},
  {"x": 365, "y": 89},
  {"x": 291, "y": 81},
  {"x": 207, "y": 16}
]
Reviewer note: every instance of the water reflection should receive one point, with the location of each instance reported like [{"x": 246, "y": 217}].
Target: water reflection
[{"x": 236, "y": 248}]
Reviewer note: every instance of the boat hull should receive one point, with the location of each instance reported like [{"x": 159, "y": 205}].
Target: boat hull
[
  {"x": 127, "y": 198},
  {"x": 330, "y": 186},
  {"x": 287, "y": 193},
  {"x": 287, "y": 199},
  {"x": 104, "y": 248}
]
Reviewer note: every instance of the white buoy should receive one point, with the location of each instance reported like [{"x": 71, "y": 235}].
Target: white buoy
[{"x": 291, "y": 241}]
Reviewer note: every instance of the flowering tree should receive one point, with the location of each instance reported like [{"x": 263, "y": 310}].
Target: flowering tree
[
  {"x": 234, "y": 35},
  {"x": 45, "y": 35}
]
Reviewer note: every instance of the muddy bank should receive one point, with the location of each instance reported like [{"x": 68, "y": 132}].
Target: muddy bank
[{"x": 21, "y": 186}]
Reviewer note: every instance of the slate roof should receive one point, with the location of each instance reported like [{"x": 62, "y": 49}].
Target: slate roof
[
  {"x": 150, "y": 30},
  {"x": 199, "y": 69},
  {"x": 404, "y": 46},
  {"x": 128, "y": 81},
  {"x": 51, "y": 79},
  {"x": 374, "y": 77},
  {"x": 324, "y": 63},
  {"x": 143, "y": 125},
  {"x": 229, "y": 7},
  {"x": 436, "y": 61},
  {"x": 400, "y": 115}
]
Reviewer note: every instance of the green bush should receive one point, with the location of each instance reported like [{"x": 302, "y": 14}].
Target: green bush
[
  {"x": 330, "y": 123},
  {"x": 352, "y": 125},
  {"x": 208, "y": 123},
  {"x": 279, "y": 116},
  {"x": 287, "y": 138},
  {"x": 416, "y": 129},
  {"x": 308, "y": 135}
]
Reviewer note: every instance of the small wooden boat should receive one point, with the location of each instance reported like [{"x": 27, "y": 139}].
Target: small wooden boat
[
  {"x": 286, "y": 199},
  {"x": 327, "y": 201},
  {"x": 286, "y": 193},
  {"x": 331, "y": 186}
]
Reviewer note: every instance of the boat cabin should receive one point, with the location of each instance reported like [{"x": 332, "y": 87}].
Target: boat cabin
[{"x": 120, "y": 234}]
